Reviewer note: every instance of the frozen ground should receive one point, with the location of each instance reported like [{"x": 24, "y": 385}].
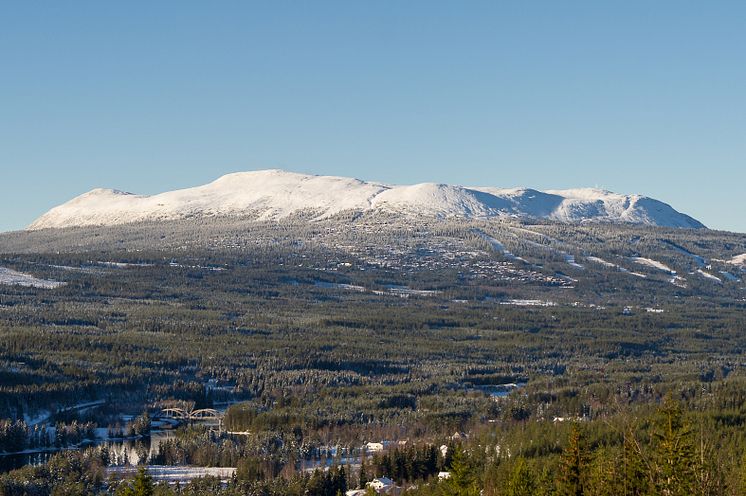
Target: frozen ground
[
  {"x": 12, "y": 278},
  {"x": 654, "y": 264},
  {"x": 174, "y": 474}
]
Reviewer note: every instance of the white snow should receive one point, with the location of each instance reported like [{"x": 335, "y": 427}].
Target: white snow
[
  {"x": 498, "y": 246},
  {"x": 729, "y": 276},
  {"x": 606, "y": 263},
  {"x": 529, "y": 303},
  {"x": 12, "y": 278},
  {"x": 569, "y": 259},
  {"x": 173, "y": 474},
  {"x": 649, "y": 262},
  {"x": 739, "y": 260},
  {"x": 405, "y": 291},
  {"x": 601, "y": 261},
  {"x": 709, "y": 276},
  {"x": 334, "y": 285},
  {"x": 276, "y": 194},
  {"x": 44, "y": 415},
  {"x": 700, "y": 261}
]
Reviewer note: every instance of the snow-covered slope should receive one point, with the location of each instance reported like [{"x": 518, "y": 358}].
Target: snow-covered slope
[
  {"x": 739, "y": 260},
  {"x": 273, "y": 194}
]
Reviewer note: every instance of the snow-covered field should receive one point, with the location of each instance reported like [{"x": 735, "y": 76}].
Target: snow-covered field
[
  {"x": 529, "y": 303},
  {"x": 173, "y": 474},
  {"x": 12, "y": 278}
]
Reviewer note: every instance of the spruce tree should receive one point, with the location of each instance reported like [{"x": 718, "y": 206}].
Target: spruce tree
[
  {"x": 363, "y": 473},
  {"x": 674, "y": 452},
  {"x": 634, "y": 472},
  {"x": 522, "y": 481},
  {"x": 604, "y": 477},
  {"x": 143, "y": 485},
  {"x": 573, "y": 466},
  {"x": 463, "y": 480}
]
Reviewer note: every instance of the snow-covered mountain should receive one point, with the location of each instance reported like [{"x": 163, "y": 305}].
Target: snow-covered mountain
[{"x": 274, "y": 194}]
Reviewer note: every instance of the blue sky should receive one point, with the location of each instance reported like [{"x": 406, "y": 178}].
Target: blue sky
[{"x": 644, "y": 97}]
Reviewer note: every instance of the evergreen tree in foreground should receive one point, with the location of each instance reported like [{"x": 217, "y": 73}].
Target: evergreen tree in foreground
[
  {"x": 572, "y": 469},
  {"x": 674, "y": 469},
  {"x": 522, "y": 481},
  {"x": 142, "y": 485},
  {"x": 463, "y": 480}
]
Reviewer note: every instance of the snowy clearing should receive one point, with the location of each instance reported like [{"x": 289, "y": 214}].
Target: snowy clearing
[
  {"x": 334, "y": 285},
  {"x": 709, "y": 276},
  {"x": 498, "y": 246},
  {"x": 12, "y": 278},
  {"x": 739, "y": 260},
  {"x": 602, "y": 262},
  {"x": 529, "y": 303},
  {"x": 606, "y": 263},
  {"x": 700, "y": 261},
  {"x": 649, "y": 262}
]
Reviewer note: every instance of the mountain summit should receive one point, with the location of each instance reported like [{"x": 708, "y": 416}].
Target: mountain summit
[{"x": 274, "y": 194}]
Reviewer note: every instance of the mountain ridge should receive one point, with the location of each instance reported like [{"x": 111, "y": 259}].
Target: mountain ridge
[{"x": 275, "y": 194}]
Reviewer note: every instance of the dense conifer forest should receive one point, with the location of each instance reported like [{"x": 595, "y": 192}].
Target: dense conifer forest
[{"x": 475, "y": 372}]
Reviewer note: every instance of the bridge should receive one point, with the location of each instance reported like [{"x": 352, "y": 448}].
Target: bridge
[{"x": 192, "y": 415}]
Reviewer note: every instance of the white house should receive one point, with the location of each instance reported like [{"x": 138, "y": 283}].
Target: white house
[
  {"x": 381, "y": 484},
  {"x": 373, "y": 447},
  {"x": 444, "y": 475}
]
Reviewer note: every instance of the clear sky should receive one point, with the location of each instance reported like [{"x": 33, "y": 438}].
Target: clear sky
[{"x": 633, "y": 96}]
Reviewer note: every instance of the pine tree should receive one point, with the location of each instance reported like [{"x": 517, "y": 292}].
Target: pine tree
[
  {"x": 742, "y": 477},
  {"x": 675, "y": 452},
  {"x": 363, "y": 472},
  {"x": 522, "y": 481},
  {"x": 545, "y": 483},
  {"x": 572, "y": 469},
  {"x": 463, "y": 481},
  {"x": 603, "y": 474},
  {"x": 143, "y": 483},
  {"x": 634, "y": 474}
]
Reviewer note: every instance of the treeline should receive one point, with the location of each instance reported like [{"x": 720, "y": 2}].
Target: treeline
[
  {"x": 660, "y": 453},
  {"x": 408, "y": 464},
  {"x": 18, "y": 436}
]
